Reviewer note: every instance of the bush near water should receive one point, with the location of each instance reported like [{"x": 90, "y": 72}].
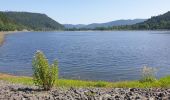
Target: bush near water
[{"x": 44, "y": 75}]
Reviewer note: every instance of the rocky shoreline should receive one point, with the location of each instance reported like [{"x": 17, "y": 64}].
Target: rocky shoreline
[{"x": 9, "y": 91}]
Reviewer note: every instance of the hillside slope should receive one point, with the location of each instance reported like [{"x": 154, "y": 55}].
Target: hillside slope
[
  {"x": 106, "y": 25},
  {"x": 34, "y": 21},
  {"x": 156, "y": 22},
  {"x": 115, "y": 23},
  {"x": 7, "y": 24}
]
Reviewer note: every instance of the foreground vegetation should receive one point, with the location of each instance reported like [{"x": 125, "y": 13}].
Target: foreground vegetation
[
  {"x": 161, "y": 83},
  {"x": 44, "y": 74}
]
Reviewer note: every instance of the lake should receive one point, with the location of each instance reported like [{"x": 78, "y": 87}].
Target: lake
[{"x": 109, "y": 56}]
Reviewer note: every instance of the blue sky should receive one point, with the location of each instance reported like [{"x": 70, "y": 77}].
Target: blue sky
[{"x": 89, "y": 11}]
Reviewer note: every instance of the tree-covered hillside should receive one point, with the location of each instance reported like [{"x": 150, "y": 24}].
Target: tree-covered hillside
[
  {"x": 161, "y": 22},
  {"x": 156, "y": 22},
  {"x": 8, "y": 25},
  {"x": 10, "y": 21}
]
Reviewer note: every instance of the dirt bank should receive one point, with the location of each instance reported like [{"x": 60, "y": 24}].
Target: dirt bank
[{"x": 2, "y": 35}]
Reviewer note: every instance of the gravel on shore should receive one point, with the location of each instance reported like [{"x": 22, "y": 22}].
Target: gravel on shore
[{"x": 9, "y": 91}]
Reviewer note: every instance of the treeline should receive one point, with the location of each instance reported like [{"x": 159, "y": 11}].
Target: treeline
[
  {"x": 10, "y": 21},
  {"x": 157, "y": 22},
  {"x": 123, "y": 27}
]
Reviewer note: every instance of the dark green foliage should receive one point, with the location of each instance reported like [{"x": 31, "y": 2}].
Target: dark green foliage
[
  {"x": 156, "y": 22},
  {"x": 44, "y": 75},
  {"x": 34, "y": 21},
  {"x": 7, "y": 24},
  {"x": 10, "y": 21}
]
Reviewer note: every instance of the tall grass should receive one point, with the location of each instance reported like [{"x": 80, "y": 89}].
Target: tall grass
[{"x": 148, "y": 74}]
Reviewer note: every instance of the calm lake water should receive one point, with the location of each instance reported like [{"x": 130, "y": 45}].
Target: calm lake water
[{"x": 110, "y": 56}]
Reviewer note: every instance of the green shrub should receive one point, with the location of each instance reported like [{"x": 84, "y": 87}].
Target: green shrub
[
  {"x": 148, "y": 74},
  {"x": 100, "y": 84},
  {"x": 44, "y": 75}
]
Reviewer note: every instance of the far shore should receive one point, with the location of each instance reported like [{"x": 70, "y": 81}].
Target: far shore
[{"x": 3, "y": 33}]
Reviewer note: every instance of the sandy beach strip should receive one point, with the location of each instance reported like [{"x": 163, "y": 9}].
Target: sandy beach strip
[{"x": 2, "y": 35}]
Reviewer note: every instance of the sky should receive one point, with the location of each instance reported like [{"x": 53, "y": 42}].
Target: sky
[{"x": 89, "y": 11}]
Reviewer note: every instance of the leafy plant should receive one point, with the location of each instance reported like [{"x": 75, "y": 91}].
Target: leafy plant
[
  {"x": 44, "y": 75},
  {"x": 100, "y": 84},
  {"x": 148, "y": 74}
]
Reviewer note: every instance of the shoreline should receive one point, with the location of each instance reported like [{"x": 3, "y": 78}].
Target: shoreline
[
  {"x": 163, "y": 82},
  {"x": 18, "y": 90},
  {"x": 4, "y": 33},
  {"x": 2, "y": 38}
]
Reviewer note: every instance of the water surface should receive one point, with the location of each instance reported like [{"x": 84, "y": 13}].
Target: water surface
[{"x": 110, "y": 56}]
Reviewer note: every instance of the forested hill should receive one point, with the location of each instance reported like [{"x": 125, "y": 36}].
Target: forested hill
[
  {"x": 8, "y": 25},
  {"x": 10, "y": 21},
  {"x": 156, "y": 22},
  {"x": 161, "y": 22},
  {"x": 33, "y": 21}
]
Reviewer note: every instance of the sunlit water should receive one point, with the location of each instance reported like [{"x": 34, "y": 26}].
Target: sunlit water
[{"x": 110, "y": 56}]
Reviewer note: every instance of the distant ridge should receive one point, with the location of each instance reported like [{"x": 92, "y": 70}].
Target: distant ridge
[
  {"x": 160, "y": 22},
  {"x": 108, "y": 24},
  {"x": 18, "y": 21},
  {"x": 33, "y": 21}
]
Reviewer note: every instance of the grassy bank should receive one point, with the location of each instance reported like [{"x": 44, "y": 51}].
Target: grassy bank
[{"x": 161, "y": 83}]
